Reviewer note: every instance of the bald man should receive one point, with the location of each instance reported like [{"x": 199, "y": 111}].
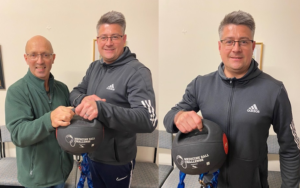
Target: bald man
[{"x": 35, "y": 106}]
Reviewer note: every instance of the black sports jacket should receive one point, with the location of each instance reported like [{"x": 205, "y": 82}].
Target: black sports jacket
[{"x": 126, "y": 84}]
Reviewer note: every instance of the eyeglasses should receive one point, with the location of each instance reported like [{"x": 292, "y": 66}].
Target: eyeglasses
[
  {"x": 230, "y": 43},
  {"x": 36, "y": 56},
  {"x": 115, "y": 38}
]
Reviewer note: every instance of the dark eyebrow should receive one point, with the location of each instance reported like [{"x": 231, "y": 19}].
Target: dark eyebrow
[
  {"x": 242, "y": 38},
  {"x": 105, "y": 35}
]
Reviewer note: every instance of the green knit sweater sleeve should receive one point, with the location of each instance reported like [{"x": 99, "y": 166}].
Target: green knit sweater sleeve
[{"x": 20, "y": 115}]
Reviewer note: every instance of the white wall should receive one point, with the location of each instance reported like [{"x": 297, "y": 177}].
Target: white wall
[
  {"x": 70, "y": 25},
  {"x": 188, "y": 46}
]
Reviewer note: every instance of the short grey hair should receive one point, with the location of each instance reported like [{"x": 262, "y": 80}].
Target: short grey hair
[
  {"x": 112, "y": 17},
  {"x": 238, "y": 18}
]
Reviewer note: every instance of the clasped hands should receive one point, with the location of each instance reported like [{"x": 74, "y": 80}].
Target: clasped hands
[{"x": 87, "y": 109}]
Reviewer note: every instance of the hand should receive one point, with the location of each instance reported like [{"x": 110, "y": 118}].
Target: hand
[
  {"x": 88, "y": 107},
  {"x": 61, "y": 116},
  {"x": 93, "y": 97},
  {"x": 188, "y": 121}
]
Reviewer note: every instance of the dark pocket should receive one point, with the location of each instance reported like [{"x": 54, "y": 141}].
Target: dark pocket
[
  {"x": 116, "y": 150},
  {"x": 244, "y": 173},
  {"x": 105, "y": 151}
]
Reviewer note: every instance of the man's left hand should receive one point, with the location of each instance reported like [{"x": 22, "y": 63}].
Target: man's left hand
[{"x": 88, "y": 107}]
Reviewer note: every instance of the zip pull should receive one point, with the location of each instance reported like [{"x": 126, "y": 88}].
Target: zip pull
[
  {"x": 230, "y": 81},
  {"x": 50, "y": 99}
]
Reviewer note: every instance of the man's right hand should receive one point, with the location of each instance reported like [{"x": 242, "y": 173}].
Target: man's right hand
[
  {"x": 186, "y": 121},
  {"x": 61, "y": 116}
]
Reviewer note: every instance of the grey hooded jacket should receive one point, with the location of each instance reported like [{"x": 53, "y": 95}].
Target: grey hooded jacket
[
  {"x": 126, "y": 84},
  {"x": 245, "y": 109}
]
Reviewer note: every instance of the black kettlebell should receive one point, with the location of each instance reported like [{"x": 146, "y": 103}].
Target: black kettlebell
[
  {"x": 81, "y": 136},
  {"x": 200, "y": 152}
]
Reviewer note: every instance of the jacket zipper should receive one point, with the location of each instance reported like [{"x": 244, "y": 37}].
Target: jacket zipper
[
  {"x": 104, "y": 67},
  {"x": 32, "y": 162},
  {"x": 50, "y": 99},
  {"x": 228, "y": 127}
]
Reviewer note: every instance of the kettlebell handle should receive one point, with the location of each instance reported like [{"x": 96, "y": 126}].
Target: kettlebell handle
[
  {"x": 209, "y": 125},
  {"x": 73, "y": 109}
]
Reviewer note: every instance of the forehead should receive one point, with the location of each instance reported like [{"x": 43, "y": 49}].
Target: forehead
[
  {"x": 236, "y": 31},
  {"x": 108, "y": 29},
  {"x": 38, "y": 46}
]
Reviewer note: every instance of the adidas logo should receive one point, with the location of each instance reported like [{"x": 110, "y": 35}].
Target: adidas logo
[
  {"x": 253, "y": 109},
  {"x": 111, "y": 87}
]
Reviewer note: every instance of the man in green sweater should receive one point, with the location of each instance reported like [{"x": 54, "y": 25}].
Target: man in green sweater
[{"x": 35, "y": 106}]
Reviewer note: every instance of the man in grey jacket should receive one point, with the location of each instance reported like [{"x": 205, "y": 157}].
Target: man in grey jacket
[
  {"x": 244, "y": 101},
  {"x": 117, "y": 90}
]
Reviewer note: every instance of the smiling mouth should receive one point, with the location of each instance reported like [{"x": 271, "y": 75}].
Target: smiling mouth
[
  {"x": 236, "y": 57},
  {"x": 40, "y": 67}
]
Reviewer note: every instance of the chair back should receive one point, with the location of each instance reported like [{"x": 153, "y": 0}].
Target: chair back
[
  {"x": 4, "y": 137},
  {"x": 273, "y": 146},
  {"x": 148, "y": 140},
  {"x": 165, "y": 140},
  {"x": 5, "y": 134}
]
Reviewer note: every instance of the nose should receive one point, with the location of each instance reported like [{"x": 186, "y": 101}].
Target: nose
[
  {"x": 236, "y": 46},
  {"x": 109, "y": 41},
  {"x": 39, "y": 59}
]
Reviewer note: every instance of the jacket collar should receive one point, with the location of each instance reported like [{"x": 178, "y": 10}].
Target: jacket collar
[
  {"x": 38, "y": 83},
  {"x": 253, "y": 72}
]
